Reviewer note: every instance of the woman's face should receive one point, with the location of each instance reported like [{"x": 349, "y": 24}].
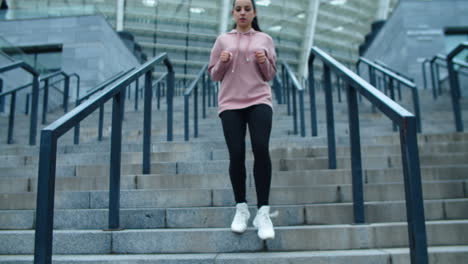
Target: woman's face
[{"x": 243, "y": 13}]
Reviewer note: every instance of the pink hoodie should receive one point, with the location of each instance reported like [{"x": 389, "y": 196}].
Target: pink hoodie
[{"x": 244, "y": 81}]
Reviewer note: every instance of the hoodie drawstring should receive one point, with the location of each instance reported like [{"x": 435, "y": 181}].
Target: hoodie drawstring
[{"x": 246, "y": 54}]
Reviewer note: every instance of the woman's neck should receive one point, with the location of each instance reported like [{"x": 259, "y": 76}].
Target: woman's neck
[{"x": 243, "y": 29}]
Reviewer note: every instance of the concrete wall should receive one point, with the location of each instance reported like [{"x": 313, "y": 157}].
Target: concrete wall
[
  {"x": 91, "y": 48},
  {"x": 416, "y": 31}
]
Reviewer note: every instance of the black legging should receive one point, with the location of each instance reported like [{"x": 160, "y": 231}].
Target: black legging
[{"x": 259, "y": 119}]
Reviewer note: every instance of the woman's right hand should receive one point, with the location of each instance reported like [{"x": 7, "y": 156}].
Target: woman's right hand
[{"x": 225, "y": 56}]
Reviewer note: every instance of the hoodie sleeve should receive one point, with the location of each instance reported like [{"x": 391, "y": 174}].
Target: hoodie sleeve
[
  {"x": 217, "y": 68},
  {"x": 268, "y": 68}
]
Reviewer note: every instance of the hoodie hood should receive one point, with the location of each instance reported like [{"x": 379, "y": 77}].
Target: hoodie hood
[{"x": 234, "y": 31}]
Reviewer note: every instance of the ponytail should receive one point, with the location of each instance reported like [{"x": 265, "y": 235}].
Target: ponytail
[
  {"x": 255, "y": 24},
  {"x": 254, "y": 21}
]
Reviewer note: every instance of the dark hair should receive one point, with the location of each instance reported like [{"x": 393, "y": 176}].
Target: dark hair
[{"x": 254, "y": 21}]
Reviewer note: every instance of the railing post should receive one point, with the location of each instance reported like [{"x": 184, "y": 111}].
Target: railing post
[
  {"x": 136, "y": 94},
  {"x": 77, "y": 88},
  {"x": 399, "y": 90},
  {"x": 413, "y": 192},
  {"x": 169, "y": 95},
  {"x": 301, "y": 112},
  {"x": 437, "y": 71},
  {"x": 390, "y": 86},
  {"x": 424, "y": 73},
  {"x": 11, "y": 118},
  {"x": 101, "y": 122},
  {"x": 356, "y": 161},
  {"x": 215, "y": 96},
  {"x": 277, "y": 88},
  {"x": 294, "y": 109},
  {"x": 338, "y": 88},
  {"x": 312, "y": 97},
  {"x": 66, "y": 92},
  {"x": 433, "y": 79},
  {"x": 373, "y": 81},
  {"x": 455, "y": 96},
  {"x": 195, "y": 112},
  {"x": 34, "y": 110},
  {"x": 186, "y": 117},
  {"x": 115, "y": 159},
  {"x": 76, "y": 130},
  {"x": 330, "y": 118},
  {"x": 76, "y": 134},
  {"x": 205, "y": 84},
  {"x": 45, "y": 101},
  {"x": 26, "y": 108},
  {"x": 158, "y": 91},
  {"x": 288, "y": 91},
  {"x": 45, "y": 199},
  {"x": 2, "y": 99},
  {"x": 210, "y": 87},
  {"x": 417, "y": 110},
  {"x": 147, "y": 124}
]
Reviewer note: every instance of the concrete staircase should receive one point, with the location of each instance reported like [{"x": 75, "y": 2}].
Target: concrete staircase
[{"x": 181, "y": 213}]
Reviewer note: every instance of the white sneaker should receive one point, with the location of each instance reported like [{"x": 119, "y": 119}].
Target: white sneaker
[
  {"x": 263, "y": 223},
  {"x": 239, "y": 224}
]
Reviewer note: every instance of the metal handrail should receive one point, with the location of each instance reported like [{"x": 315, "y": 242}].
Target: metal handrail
[
  {"x": 384, "y": 65},
  {"x": 435, "y": 62},
  {"x": 91, "y": 92},
  {"x": 400, "y": 80},
  {"x": 48, "y": 151},
  {"x": 408, "y": 142},
  {"x": 455, "y": 85},
  {"x": 101, "y": 86},
  {"x": 288, "y": 79},
  {"x": 34, "y": 103},
  {"x": 193, "y": 88}
]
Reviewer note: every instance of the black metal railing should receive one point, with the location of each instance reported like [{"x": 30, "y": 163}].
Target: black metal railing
[
  {"x": 437, "y": 63},
  {"x": 278, "y": 89},
  {"x": 91, "y": 92},
  {"x": 48, "y": 150},
  {"x": 454, "y": 69},
  {"x": 393, "y": 78},
  {"x": 48, "y": 84},
  {"x": 455, "y": 91},
  {"x": 408, "y": 141},
  {"x": 34, "y": 104},
  {"x": 384, "y": 65},
  {"x": 292, "y": 87},
  {"x": 193, "y": 89}
]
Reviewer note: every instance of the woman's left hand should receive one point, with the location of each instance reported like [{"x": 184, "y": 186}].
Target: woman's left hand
[{"x": 260, "y": 56}]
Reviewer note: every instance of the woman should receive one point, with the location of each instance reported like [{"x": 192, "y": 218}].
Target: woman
[{"x": 244, "y": 61}]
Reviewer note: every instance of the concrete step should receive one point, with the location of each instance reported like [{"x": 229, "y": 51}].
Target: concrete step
[
  {"x": 439, "y": 254},
  {"x": 194, "y": 144},
  {"x": 189, "y": 181},
  {"x": 221, "y": 217},
  {"x": 222, "y": 240},
  {"x": 224, "y": 197},
  {"x": 222, "y": 154}
]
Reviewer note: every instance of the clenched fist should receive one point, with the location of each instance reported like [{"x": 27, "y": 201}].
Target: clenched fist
[
  {"x": 225, "y": 56},
  {"x": 260, "y": 56}
]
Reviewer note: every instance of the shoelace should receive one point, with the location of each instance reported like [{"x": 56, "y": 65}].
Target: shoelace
[{"x": 273, "y": 214}]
